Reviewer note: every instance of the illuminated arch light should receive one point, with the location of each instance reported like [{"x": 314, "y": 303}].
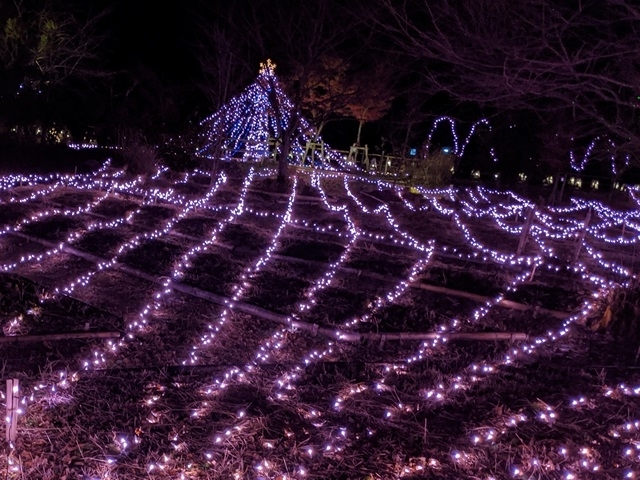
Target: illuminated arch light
[{"x": 589, "y": 151}]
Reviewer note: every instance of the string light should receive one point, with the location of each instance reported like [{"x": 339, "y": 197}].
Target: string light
[
  {"x": 189, "y": 207},
  {"x": 242, "y": 128},
  {"x": 549, "y": 225}
]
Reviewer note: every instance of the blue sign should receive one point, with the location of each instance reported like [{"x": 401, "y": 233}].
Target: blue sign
[{"x": 413, "y": 152}]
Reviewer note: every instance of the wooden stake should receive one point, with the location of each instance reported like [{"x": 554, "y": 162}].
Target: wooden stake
[
  {"x": 564, "y": 182},
  {"x": 525, "y": 232},
  {"x": 11, "y": 419},
  {"x": 260, "y": 312},
  {"x": 583, "y": 233},
  {"x": 57, "y": 336}
]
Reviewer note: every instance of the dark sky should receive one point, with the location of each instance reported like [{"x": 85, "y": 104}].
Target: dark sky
[{"x": 156, "y": 34}]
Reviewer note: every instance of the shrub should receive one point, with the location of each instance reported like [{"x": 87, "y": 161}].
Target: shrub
[
  {"x": 619, "y": 313},
  {"x": 177, "y": 158},
  {"x": 138, "y": 155},
  {"x": 435, "y": 169}
]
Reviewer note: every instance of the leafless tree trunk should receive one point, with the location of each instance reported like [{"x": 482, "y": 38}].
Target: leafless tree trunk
[{"x": 226, "y": 67}]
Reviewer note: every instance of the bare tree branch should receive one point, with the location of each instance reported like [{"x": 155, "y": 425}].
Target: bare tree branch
[{"x": 548, "y": 56}]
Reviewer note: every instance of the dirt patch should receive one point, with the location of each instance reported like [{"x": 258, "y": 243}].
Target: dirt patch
[{"x": 155, "y": 257}]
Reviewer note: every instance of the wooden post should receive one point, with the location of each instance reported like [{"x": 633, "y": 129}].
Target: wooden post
[
  {"x": 353, "y": 154},
  {"x": 306, "y": 152},
  {"x": 11, "y": 419},
  {"x": 583, "y": 233},
  {"x": 525, "y": 231},
  {"x": 554, "y": 190},
  {"x": 564, "y": 182},
  {"x": 50, "y": 337}
]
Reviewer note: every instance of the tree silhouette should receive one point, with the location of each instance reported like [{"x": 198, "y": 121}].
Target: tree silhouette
[
  {"x": 372, "y": 99},
  {"x": 577, "y": 60},
  {"x": 329, "y": 91},
  {"x": 51, "y": 61}
]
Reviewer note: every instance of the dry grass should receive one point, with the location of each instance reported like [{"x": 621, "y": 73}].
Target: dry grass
[{"x": 76, "y": 431}]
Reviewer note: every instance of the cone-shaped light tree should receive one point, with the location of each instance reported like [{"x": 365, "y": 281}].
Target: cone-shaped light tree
[{"x": 242, "y": 128}]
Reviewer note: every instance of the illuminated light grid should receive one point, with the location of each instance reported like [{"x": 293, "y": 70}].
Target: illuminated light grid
[
  {"x": 379, "y": 385},
  {"x": 547, "y": 221},
  {"x": 97, "y": 225},
  {"x": 477, "y": 371},
  {"x": 29, "y": 258},
  {"x": 66, "y": 213},
  {"x": 498, "y": 257},
  {"x": 429, "y": 195},
  {"x": 98, "y": 356},
  {"x": 140, "y": 321},
  {"x": 10, "y": 181},
  {"x": 278, "y": 339},
  {"x": 508, "y": 359},
  {"x": 455, "y": 324},
  {"x": 286, "y": 382},
  {"x": 77, "y": 181},
  {"x": 240, "y": 289},
  {"x": 189, "y": 207},
  {"x": 601, "y": 223}
]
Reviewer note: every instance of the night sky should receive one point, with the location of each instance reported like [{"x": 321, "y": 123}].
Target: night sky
[{"x": 155, "y": 34}]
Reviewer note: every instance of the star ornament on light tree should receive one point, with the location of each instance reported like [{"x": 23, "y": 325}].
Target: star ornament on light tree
[{"x": 267, "y": 68}]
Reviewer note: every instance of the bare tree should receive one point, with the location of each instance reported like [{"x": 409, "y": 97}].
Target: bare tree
[
  {"x": 576, "y": 59},
  {"x": 330, "y": 89},
  {"x": 373, "y": 97},
  {"x": 297, "y": 39},
  {"x": 47, "y": 45},
  {"x": 220, "y": 48}
]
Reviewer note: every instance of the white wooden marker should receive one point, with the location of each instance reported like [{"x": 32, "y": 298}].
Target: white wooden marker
[{"x": 11, "y": 419}]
